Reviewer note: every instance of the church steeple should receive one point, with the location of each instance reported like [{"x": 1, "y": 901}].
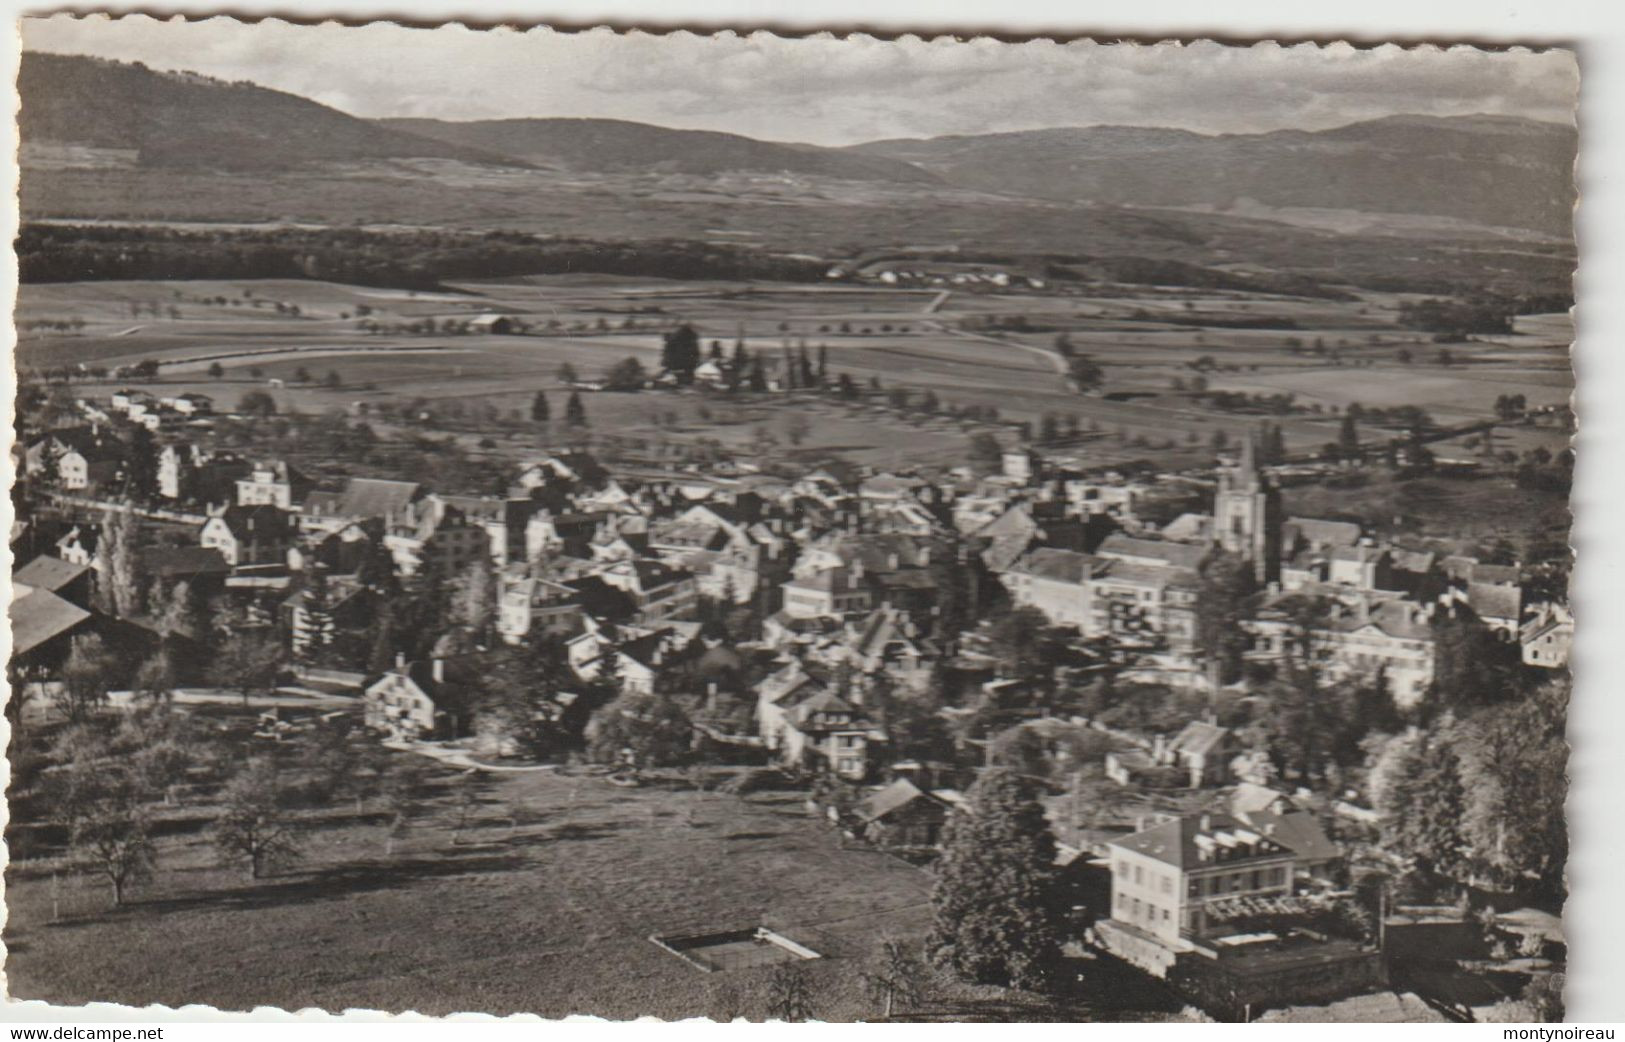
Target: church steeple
[
  {"x": 1247, "y": 513},
  {"x": 1249, "y": 461}
]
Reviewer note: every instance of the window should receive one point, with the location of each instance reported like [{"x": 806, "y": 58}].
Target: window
[
  {"x": 1165, "y": 915},
  {"x": 1139, "y": 875},
  {"x": 1167, "y": 884}
]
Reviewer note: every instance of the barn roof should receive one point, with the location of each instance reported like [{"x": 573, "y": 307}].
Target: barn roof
[
  {"x": 890, "y": 799},
  {"x": 48, "y": 573},
  {"x": 38, "y": 616}
]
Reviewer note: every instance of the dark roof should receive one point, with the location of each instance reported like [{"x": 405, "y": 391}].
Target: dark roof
[
  {"x": 261, "y": 518},
  {"x": 1182, "y": 841},
  {"x": 601, "y": 600},
  {"x": 652, "y": 573},
  {"x": 40, "y": 615},
  {"x": 1298, "y": 831},
  {"x": 375, "y": 497},
  {"x": 1490, "y": 601},
  {"x": 1416, "y": 561},
  {"x": 183, "y": 562},
  {"x": 1326, "y": 533},
  {"x": 48, "y": 573},
  {"x": 823, "y": 701}
]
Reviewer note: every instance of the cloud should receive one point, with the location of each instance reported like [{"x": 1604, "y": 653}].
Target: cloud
[{"x": 830, "y": 90}]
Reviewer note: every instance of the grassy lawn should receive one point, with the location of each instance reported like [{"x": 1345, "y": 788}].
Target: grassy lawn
[{"x": 544, "y": 903}]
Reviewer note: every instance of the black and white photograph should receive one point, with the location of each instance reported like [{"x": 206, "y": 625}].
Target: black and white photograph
[{"x": 790, "y": 528}]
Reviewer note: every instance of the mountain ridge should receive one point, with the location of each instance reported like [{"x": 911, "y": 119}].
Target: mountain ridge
[
  {"x": 597, "y": 144},
  {"x": 1482, "y": 170},
  {"x": 1488, "y": 170},
  {"x": 187, "y": 120}
]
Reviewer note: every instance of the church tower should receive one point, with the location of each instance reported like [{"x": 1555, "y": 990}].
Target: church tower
[{"x": 1247, "y": 514}]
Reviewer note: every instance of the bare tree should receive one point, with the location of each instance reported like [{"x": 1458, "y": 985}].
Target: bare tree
[
  {"x": 896, "y": 977},
  {"x": 254, "y": 824},
  {"x": 789, "y": 998},
  {"x": 84, "y": 678},
  {"x": 110, "y": 833}
]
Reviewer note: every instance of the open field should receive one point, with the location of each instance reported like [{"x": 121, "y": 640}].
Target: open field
[
  {"x": 1472, "y": 510},
  {"x": 557, "y": 878},
  {"x": 1146, "y": 338}
]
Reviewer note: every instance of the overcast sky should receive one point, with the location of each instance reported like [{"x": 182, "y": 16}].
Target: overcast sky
[{"x": 824, "y": 90}]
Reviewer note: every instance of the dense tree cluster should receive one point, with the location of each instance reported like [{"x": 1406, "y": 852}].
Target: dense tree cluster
[
  {"x": 999, "y": 916},
  {"x": 1458, "y": 317},
  {"x": 406, "y": 260}
]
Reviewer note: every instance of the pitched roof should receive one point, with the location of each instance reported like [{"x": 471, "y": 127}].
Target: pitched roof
[
  {"x": 1154, "y": 575},
  {"x": 1322, "y": 532},
  {"x": 375, "y": 497},
  {"x": 1199, "y": 736},
  {"x": 1192, "y": 841},
  {"x": 48, "y": 573},
  {"x": 1469, "y": 569},
  {"x": 1068, "y": 566},
  {"x": 830, "y": 580},
  {"x": 477, "y": 508},
  {"x": 39, "y": 615},
  {"x": 1550, "y": 617},
  {"x": 183, "y": 562},
  {"x": 1180, "y": 555},
  {"x": 1399, "y": 619},
  {"x": 261, "y": 518},
  {"x": 1416, "y": 561},
  {"x": 1299, "y": 831},
  {"x": 1249, "y": 798},
  {"x": 792, "y": 679},
  {"x": 1189, "y": 526},
  {"x": 893, "y": 797},
  {"x": 1490, "y": 601},
  {"x": 823, "y": 700}
]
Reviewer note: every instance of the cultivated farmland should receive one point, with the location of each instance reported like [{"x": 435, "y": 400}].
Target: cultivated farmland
[{"x": 1159, "y": 347}]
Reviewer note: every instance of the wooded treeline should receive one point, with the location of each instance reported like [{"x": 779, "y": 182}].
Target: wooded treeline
[{"x": 420, "y": 260}]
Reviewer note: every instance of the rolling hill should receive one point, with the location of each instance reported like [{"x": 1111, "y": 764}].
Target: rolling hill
[
  {"x": 1492, "y": 172},
  {"x": 181, "y": 120},
  {"x": 1488, "y": 170},
  {"x": 614, "y": 145}
]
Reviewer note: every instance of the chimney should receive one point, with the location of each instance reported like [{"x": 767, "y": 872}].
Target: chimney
[
  {"x": 439, "y": 667},
  {"x": 400, "y": 660},
  {"x": 1206, "y": 823}
]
